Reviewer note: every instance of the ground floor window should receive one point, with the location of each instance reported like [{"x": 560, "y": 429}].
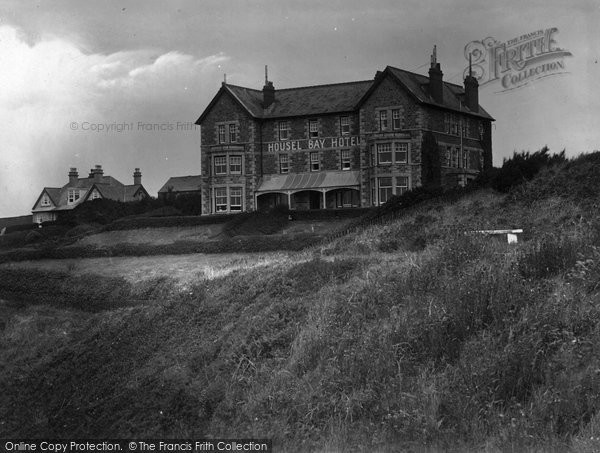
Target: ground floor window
[
  {"x": 401, "y": 184},
  {"x": 314, "y": 161},
  {"x": 228, "y": 199},
  {"x": 235, "y": 198},
  {"x": 346, "y": 159},
  {"x": 385, "y": 189}
]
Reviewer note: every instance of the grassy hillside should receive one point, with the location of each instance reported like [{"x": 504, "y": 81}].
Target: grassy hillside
[{"x": 406, "y": 333}]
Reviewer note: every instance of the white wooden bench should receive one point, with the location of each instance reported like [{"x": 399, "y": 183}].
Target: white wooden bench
[{"x": 511, "y": 235}]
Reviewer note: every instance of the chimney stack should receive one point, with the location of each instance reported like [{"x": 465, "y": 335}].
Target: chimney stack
[
  {"x": 436, "y": 85},
  {"x": 97, "y": 173},
  {"x": 73, "y": 176},
  {"x": 268, "y": 91},
  {"x": 471, "y": 90},
  {"x": 137, "y": 177}
]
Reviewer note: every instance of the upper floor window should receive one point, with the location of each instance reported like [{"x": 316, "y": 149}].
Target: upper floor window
[
  {"x": 346, "y": 159},
  {"x": 220, "y": 165},
  {"x": 73, "y": 195},
  {"x": 452, "y": 124},
  {"x": 481, "y": 130},
  {"x": 284, "y": 130},
  {"x": 400, "y": 152},
  {"x": 95, "y": 195},
  {"x": 313, "y": 128},
  {"x": 235, "y": 165},
  {"x": 221, "y": 133},
  {"x": 396, "y": 118},
  {"x": 45, "y": 200},
  {"x": 384, "y": 153},
  {"x": 284, "y": 163},
  {"x": 344, "y": 125},
  {"x": 232, "y": 133},
  {"x": 383, "y": 120},
  {"x": 314, "y": 161}
]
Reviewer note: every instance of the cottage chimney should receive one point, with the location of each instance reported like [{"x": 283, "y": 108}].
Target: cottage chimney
[
  {"x": 471, "y": 90},
  {"x": 97, "y": 173},
  {"x": 137, "y": 177},
  {"x": 268, "y": 91},
  {"x": 73, "y": 176},
  {"x": 436, "y": 85}
]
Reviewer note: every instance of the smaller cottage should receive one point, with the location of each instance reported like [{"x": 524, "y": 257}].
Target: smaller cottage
[
  {"x": 54, "y": 200},
  {"x": 178, "y": 186}
]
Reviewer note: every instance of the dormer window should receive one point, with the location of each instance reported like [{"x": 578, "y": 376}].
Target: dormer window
[
  {"x": 45, "y": 200},
  {"x": 72, "y": 195}
]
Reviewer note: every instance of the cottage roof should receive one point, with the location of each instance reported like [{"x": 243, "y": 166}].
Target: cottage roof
[
  {"x": 107, "y": 186},
  {"x": 182, "y": 184}
]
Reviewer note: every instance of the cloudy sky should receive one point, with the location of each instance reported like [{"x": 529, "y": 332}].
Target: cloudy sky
[{"x": 144, "y": 70}]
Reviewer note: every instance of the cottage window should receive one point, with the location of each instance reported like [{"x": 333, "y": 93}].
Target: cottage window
[
  {"x": 314, "y": 161},
  {"x": 481, "y": 130},
  {"x": 45, "y": 200},
  {"x": 344, "y": 125},
  {"x": 73, "y": 195},
  {"x": 383, "y": 120},
  {"x": 221, "y": 199},
  {"x": 448, "y": 156},
  {"x": 384, "y": 153},
  {"x": 396, "y": 119},
  {"x": 221, "y": 133},
  {"x": 232, "y": 133},
  {"x": 401, "y": 184},
  {"x": 284, "y": 164},
  {"x": 313, "y": 128},
  {"x": 220, "y": 165},
  {"x": 284, "y": 130},
  {"x": 401, "y": 153},
  {"x": 95, "y": 195},
  {"x": 235, "y": 198},
  {"x": 385, "y": 189},
  {"x": 346, "y": 159}
]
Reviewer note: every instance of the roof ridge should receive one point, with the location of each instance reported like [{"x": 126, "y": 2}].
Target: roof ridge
[
  {"x": 423, "y": 75},
  {"x": 306, "y": 86}
]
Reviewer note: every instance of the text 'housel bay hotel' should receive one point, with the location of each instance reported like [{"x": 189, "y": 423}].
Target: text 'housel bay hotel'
[{"x": 340, "y": 145}]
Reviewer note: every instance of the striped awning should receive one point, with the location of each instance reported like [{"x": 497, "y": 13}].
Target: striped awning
[{"x": 308, "y": 181}]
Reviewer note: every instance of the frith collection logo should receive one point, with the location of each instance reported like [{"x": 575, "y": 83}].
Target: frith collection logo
[{"x": 516, "y": 62}]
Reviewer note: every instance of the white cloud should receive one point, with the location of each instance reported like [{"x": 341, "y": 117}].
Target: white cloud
[{"x": 49, "y": 84}]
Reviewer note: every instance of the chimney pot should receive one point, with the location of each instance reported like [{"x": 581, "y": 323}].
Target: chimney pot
[
  {"x": 436, "y": 84},
  {"x": 73, "y": 175},
  {"x": 268, "y": 92},
  {"x": 137, "y": 177}
]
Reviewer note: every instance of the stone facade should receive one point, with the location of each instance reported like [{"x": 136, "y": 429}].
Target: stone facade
[{"x": 341, "y": 145}]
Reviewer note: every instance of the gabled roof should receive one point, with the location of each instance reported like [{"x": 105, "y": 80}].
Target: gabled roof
[
  {"x": 339, "y": 97},
  {"x": 182, "y": 184},
  {"x": 418, "y": 86},
  {"x": 107, "y": 186},
  {"x": 52, "y": 192}
]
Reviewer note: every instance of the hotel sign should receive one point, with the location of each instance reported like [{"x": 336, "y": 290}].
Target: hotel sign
[
  {"x": 518, "y": 61},
  {"x": 313, "y": 144}
]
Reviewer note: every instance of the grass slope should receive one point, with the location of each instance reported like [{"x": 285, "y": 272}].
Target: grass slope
[{"x": 401, "y": 334}]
